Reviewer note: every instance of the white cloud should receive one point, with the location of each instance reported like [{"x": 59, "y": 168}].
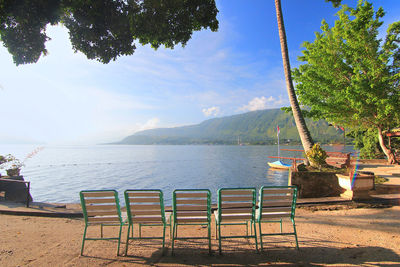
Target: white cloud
[
  {"x": 263, "y": 102},
  {"x": 212, "y": 111},
  {"x": 150, "y": 124}
]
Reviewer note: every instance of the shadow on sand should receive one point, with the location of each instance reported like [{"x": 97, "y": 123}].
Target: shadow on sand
[{"x": 235, "y": 255}]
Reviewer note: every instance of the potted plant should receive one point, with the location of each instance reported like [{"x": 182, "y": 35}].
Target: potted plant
[
  {"x": 11, "y": 164},
  {"x": 317, "y": 180},
  {"x": 317, "y": 156}
]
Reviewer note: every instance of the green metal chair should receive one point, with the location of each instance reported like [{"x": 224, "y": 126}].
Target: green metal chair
[
  {"x": 275, "y": 204},
  {"x": 191, "y": 207},
  {"x": 145, "y": 208},
  {"x": 236, "y": 206},
  {"x": 101, "y": 207}
]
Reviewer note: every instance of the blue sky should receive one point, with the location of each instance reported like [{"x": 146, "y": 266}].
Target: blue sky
[{"x": 68, "y": 99}]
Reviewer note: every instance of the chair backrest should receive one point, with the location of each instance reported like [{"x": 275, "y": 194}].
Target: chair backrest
[
  {"x": 100, "y": 207},
  {"x": 145, "y": 206},
  {"x": 277, "y": 202},
  {"x": 192, "y": 205},
  {"x": 236, "y": 204}
]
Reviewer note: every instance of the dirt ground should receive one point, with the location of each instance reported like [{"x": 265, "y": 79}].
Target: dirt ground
[{"x": 330, "y": 237}]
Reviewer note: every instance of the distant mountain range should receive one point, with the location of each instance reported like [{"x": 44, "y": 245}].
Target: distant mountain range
[{"x": 256, "y": 127}]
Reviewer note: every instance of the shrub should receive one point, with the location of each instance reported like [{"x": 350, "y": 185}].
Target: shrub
[{"x": 317, "y": 156}]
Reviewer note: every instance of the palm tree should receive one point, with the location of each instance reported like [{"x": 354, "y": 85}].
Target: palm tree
[{"x": 304, "y": 133}]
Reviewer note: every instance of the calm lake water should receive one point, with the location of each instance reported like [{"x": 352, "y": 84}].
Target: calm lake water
[{"x": 58, "y": 173}]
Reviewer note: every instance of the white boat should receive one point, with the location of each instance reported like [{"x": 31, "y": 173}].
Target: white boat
[{"x": 279, "y": 165}]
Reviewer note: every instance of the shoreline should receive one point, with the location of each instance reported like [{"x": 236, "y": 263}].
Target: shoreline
[{"x": 73, "y": 210}]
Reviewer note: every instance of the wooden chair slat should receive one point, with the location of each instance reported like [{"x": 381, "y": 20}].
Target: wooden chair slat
[
  {"x": 237, "y": 198},
  {"x": 143, "y": 219},
  {"x": 191, "y": 207},
  {"x": 191, "y": 213},
  {"x": 99, "y": 200},
  {"x": 146, "y": 212},
  {"x": 280, "y": 209},
  {"x": 145, "y": 207},
  {"x": 191, "y": 201},
  {"x": 236, "y": 205},
  {"x": 277, "y": 191},
  {"x": 277, "y": 203},
  {"x": 99, "y": 194},
  {"x": 143, "y": 194},
  {"x": 191, "y": 219},
  {"x": 102, "y": 213},
  {"x": 276, "y": 215},
  {"x": 103, "y": 219},
  {"x": 101, "y": 207},
  {"x": 231, "y": 217},
  {"x": 236, "y": 192},
  {"x": 266, "y": 198},
  {"x": 239, "y": 210},
  {"x": 145, "y": 200},
  {"x": 191, "y": 195}
]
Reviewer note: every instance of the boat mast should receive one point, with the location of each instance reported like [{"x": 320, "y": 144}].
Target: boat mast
[{"x": 277, "y": 133}]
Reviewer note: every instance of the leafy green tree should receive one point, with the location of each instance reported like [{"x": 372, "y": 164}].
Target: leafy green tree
[
  {"x": 351, "y": 77},
  {"x": 102, "y": 30},
  {"x": 367, "y": 142}
]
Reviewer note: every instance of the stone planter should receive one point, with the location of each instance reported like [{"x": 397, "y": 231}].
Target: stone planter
[
  {"x": 13, "y": 172},
  {"x": 356, "y": 186},
  {"x": 14, "y": 190},
  {"x": 315, "y": 184}
]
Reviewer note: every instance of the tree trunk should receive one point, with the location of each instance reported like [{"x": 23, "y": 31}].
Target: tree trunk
[
  {"x": 388, "y": 152},
  {"x": 304, "y": 133}
]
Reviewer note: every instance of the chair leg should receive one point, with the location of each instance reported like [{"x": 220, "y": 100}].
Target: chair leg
[
  {"x": 295, "y": 233},
  {"x": 216, "y": 231},
  {"x": 163, "y": 240},
  {"x": 281, "y": 225},
  {"x": 119, "y": 239},
  {"x": 127, "y": 240},
  {"x": 255, "y": 234},
  {"x": 101, "y": 230},
  {"x": 209, "y": 238},
  {"x": 261, "y": 241},
  {"x": 83, "y": 240},
  {"x": 173, "y": 239},
  {"x": 140, "y": 230},
  {"x": 219, "y": 238},
  {"x": 170, "y": 225}
]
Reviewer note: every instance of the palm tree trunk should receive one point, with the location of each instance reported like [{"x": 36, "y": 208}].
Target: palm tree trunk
[{"x": 304, "y": 133}]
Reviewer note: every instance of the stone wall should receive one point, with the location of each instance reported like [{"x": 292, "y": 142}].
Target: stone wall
[{"x": 315, "y": 184}]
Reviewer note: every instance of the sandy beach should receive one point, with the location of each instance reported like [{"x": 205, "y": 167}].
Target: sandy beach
[{"x": 328, "y": 236}]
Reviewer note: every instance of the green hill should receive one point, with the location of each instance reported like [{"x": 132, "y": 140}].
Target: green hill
[{"x": 256, "y": 127}]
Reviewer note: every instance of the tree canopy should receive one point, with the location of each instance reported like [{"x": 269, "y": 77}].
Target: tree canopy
[
  {"x": 351, "y": 77},
  {"x": 102, "y": 30}
]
